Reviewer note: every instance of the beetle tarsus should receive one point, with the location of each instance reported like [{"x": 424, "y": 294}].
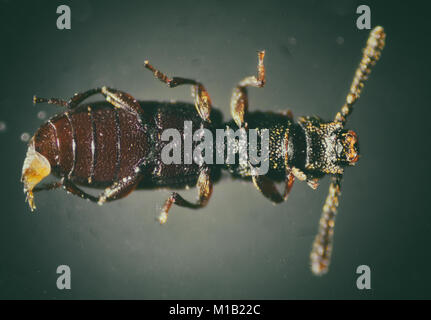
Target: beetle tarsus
[
  {"x": 239, "y": 100},
  {"x": 200, "y": 94}
]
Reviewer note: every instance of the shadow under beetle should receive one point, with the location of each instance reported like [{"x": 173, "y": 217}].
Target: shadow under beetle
[{"x": 116, "y": 145}]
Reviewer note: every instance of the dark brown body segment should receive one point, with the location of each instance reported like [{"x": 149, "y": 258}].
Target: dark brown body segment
[
  {"x": 83, "y": 137},
  {"x": 64, "y": 131},
  {"x": 46, "y": 143},
  {"x": 134, "y": 143},
  {"x": 106, "y": 142},
  {"x": 175, "y": 174},
  {"x": 93, "y": 145}
]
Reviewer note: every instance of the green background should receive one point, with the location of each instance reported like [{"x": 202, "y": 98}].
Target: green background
[{"x": 240, "y": 246}]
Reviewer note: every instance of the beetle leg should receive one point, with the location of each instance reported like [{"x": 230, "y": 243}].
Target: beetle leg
[
  {"x": 122, "y": 100},
  {"x": 288, "y": 184},
  {"x": 69, "y": 186},
  {"x": 204, "y": 186},
  {"x": 116, "y": 191},
  {"x": 48, "y": 186},
  {"x": 267, "y": 187},
  {"x": 58, "y": 102},
  {"x": 299, "y": 174},
  {"x": 239, "y": 100},
  {"x": 116, "y": 97},
  {"x": 320, "y": 256},
  {"x": 119, "y": 189},
  {"x": 66, "y": 185},
  {"x": 199, "y": 93},
  {"x": 73, "y": 102}
]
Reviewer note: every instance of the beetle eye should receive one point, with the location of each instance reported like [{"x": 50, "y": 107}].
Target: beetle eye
[{"x": 351, "y": 145}]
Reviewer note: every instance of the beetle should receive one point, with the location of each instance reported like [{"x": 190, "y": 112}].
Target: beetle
[{"x": 116, "y": 144}]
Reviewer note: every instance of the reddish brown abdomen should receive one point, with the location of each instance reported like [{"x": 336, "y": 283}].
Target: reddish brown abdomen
[{"x": 93, "y": 145}]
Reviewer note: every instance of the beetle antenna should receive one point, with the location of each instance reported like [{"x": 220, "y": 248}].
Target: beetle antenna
[
  {"x": 371, "y": 54},
  {"x": 320, "y": 257}
]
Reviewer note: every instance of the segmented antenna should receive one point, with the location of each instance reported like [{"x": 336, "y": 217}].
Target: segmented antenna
[
  {"x": 322, "y": 247},
  {"x": 372, "y": 53},
  {"x": 320, "y": 257}
]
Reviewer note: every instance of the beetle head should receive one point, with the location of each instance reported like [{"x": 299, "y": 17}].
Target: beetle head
[{"x": 347, "y": 148}]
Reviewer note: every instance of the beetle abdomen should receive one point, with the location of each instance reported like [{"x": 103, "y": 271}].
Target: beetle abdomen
[{"x": 93, "y": 145}]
